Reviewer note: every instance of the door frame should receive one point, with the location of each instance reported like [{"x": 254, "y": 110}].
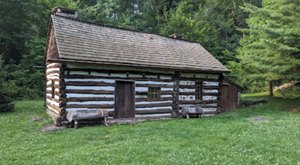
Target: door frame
[{"x": 132, "y": 97}]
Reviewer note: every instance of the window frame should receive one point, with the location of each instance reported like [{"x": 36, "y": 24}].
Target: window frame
[
  {"x": 152, "y": 91},
  {"x": 198, "y": 90}
]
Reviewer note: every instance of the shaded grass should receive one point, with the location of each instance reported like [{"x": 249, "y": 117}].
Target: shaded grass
[
  {"x": 228, "y": 138},
  {"x": 259, "y": 95}
]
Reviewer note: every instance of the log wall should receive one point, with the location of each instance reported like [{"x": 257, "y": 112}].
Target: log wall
[
  {"x": 91, "y": 90},
  {"x": 210, "y": 93},
  {"x": 74, "y": 89},
  {"x": 55, "y": 89}
]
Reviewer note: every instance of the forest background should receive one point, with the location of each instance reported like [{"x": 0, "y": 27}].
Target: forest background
[{"x": 258, "y": 40}]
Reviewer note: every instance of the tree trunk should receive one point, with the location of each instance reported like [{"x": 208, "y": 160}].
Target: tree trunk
[{"x": 271, "y": 88}]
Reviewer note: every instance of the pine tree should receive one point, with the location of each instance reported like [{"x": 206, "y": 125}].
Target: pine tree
[
  {"x": 270, "y": 48},
  {"x": 5, "y": 102}
]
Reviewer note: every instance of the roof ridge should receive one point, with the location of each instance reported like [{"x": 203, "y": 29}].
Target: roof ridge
[{"x": 121, "y": 28}]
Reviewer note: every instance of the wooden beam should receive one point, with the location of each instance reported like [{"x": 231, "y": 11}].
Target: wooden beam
[
  {"x": 211, "y": 87},
  {"x": 198, "y": 79},
  {"x": 161, "y": 93},
  {"x": 53, "y": 99},
  {"x": 211, "y": 94},
  {"x": 153, "y": 105},
  {"x": 90, "y": 106},
  {"x": 89, "y": 83},
  {"x": 113, "y": 78},
  {"x": 146, "y": 73},
  {"x": 197, "y": 101},
  {"x": 187, "y": 93},
  {"x": 82, "y": 99},
  {"x": 155, "y": 85},
  {"x": 156, "y": 111},
  {"x": 58, "y": 65},
  {"x": 161, "y": 99},
  {"x": 89, "y": 91},
  {"x": 48, "y": 73},
  {"x": 187, "y": 86},
  {"x": 57, "y": 109}
]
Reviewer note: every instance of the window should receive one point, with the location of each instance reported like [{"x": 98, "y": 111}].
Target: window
[
  {"x": 198, "y": 90},
  {"x": 154, "y": 93},
  {"x": 52, "y": 89}
]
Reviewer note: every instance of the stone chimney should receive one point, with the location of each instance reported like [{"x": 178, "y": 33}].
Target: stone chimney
[{"x": 65, "y": 12}]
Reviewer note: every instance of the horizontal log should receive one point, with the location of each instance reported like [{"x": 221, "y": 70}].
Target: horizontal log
[
  {"x": 208, "y": 106},
  {"x": 53, "y": 65},
  {"x": 52, "y": 107},
  {"x": 117, "y": 71},
  {"x": 156, "y": 111},
  {"x": 214, "y": 100},
  {"x": 53, "y": 99},
  {"x": 55, "y": 93},
  {"x": 82, "y": 99},
  {"x": 89, "y": 83},
  {"x": 58, "y": 93},
  {"x": 153, "y": 105},
  {"x": 61, "y": 103},
  {"x": 54, "y": 79},
  {"x": 149, "y": 117},
  {"x": 110, "y": 77},
  {"x": 187, "y": 93},
  {"x": 89, "y": 91},
  {"x": 48, "y": 73},
  {"x": 210, "y": 87},
  {"x": 155, "y": 85},
  {"x": 90, "y": 106},
  {"x": 187, "y": 86},
  {"x": 211, "y": 94},
  {"x": 55, "y": 86},
  {"x": 197, "y": 101},
  {"x": 198, "y": 79},
  {"x": 162, "y": 93},
  {"x": 161, "y": 99}
]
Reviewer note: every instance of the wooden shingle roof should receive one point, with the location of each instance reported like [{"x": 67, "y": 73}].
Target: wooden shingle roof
[{"x": 85, "y": 42}]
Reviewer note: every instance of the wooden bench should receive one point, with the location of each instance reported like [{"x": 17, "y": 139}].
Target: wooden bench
[
  {"x": 84, "y": 115},
  {"x": 192, "y": 111}
]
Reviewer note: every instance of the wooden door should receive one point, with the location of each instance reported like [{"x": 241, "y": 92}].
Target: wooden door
[
  {"x": 225, "y": 98},
  {"x": 124, "y": 99}
]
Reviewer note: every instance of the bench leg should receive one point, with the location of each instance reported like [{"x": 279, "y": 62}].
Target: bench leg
[
  {"x": 76, "y": 124},
  {"x": 105, "y": 121}
]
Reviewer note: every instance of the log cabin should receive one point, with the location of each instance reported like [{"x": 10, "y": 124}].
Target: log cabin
[{"x": 128, "y": 74}]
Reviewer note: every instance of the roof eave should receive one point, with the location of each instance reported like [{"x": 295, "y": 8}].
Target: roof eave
[{"x": 182, "y": 69}]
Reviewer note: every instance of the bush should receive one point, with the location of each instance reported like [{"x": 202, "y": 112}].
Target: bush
[{"x": 293, "y": 92}]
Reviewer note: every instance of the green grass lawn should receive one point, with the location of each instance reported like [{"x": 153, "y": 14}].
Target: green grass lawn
[{"x": 228, "y": 138}]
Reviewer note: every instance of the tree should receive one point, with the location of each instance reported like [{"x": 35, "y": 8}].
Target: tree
[
  {"x": 20, "y": 84},
  {"x": 270, "y": 48},
  {"x": 141, "y": 15},
  {"x": 212, "y": 23},
  {"x": 15, "y": 29},
  {"x": 5, "y": 102}
]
